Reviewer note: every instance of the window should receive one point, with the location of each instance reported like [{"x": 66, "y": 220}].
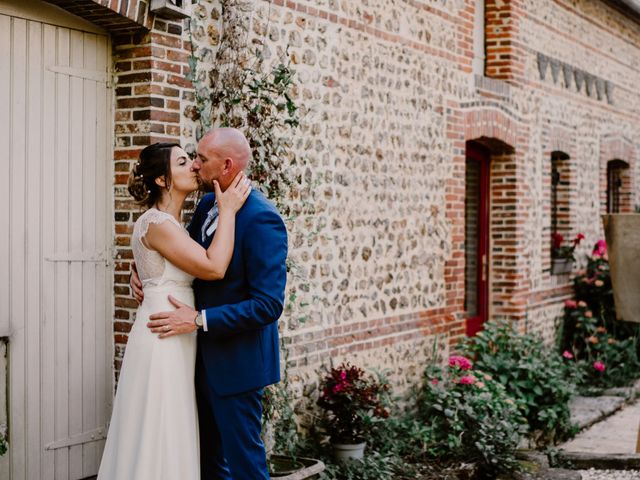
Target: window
[
  {"x": 617, "y": 186},
  {"x": 560, "y": 185}
]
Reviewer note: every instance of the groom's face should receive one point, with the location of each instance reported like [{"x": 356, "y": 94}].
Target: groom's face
[{"x": 208, "y": 164}]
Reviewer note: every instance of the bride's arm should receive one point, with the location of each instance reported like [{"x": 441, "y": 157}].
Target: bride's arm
[{"x": 185, "y": 253}]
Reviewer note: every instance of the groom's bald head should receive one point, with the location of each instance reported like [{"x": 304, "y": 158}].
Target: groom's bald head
[{"x": 222, "y": 154}]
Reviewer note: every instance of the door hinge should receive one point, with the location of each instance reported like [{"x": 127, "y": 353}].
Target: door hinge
[
  {"x": 95, "y": 75},
  {"x": 86, "y": 437}
]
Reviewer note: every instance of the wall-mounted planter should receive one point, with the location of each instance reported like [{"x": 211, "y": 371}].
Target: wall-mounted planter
[{"x": 561, "y": 266}]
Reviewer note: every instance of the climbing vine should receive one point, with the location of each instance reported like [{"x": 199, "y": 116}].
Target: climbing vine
[{"x": 237, "y": 87}]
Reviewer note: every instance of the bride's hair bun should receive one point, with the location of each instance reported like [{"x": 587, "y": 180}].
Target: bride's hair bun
[{"x": 154, "y": 162}]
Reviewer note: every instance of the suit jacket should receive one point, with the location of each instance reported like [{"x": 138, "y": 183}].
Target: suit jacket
[{"x": 240, "y": 351}]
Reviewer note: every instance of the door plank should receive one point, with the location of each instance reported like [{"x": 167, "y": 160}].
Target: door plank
[
  {"x": 33, "y": 189},
  {"x": 47, "y": 202},
  {"x": 17, "y": 345},
  {"x": 62, "y": 245}
]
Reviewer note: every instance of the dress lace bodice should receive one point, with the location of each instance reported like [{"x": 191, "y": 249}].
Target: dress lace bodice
[{"x": 153, "y": 268}]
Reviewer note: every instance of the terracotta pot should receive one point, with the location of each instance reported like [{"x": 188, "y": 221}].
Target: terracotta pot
[
  {"x": 622, "y": 232},
  {"x": 348, "y": 451}
]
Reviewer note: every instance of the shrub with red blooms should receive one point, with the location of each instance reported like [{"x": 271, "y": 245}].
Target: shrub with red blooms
[{"x": 351, "y": 399}]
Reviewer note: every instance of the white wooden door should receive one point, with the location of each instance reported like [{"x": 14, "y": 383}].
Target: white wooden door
[{"x": 55, "y": 239}]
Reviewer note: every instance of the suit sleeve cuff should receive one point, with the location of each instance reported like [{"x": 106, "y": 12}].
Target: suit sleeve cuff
[{"x": 204, "y": 320}]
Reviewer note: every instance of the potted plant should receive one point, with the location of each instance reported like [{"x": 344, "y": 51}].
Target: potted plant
[
  {"x": 352, "y": 402},
  {"x": 562, "y": 257}
]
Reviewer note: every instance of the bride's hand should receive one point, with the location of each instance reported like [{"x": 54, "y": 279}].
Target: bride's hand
[{"x": 233, "y": 198}]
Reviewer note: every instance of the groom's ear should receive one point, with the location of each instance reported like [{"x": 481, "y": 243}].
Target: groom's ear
[{"x": 228, "y": 166}]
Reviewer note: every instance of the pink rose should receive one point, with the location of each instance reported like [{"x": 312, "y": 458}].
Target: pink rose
[
  {"x": 567, "y": 354},
  {"x": 588, "y": 314},
  {"x": 570, "y": 304},
  {"x": 480, "y": 384},
  {"x": 582, "y": 304},
  {"x": 599, "y": 366},
  {"x": 467, "y": 380},
  {"x": 461, "y": 362},
  {"x": 434, "y": 381},
  {"x": 600, "y": 250}
]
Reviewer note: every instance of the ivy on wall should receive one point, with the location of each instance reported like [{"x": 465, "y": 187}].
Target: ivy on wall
[{"x": 236, "y": 87}]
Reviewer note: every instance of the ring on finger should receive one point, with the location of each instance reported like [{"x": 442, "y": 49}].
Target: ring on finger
[{"x": 167, "y": 328}]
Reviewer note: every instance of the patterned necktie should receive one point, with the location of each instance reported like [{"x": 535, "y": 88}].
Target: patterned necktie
[{"x": 211, "y": 222}]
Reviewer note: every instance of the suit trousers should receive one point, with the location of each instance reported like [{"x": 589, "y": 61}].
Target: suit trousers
[{"x": 231, "y": 447}]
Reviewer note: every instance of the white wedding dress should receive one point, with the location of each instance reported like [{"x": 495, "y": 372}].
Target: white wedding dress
[{"x": 153, "y": 434}]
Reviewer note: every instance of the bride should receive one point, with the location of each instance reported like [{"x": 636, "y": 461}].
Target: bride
[{"x": 153, "y": 433}]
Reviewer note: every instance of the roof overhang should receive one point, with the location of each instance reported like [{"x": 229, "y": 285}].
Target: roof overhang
[{"x": 628, "y": 7}]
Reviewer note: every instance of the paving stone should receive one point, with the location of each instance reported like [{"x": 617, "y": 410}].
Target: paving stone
[
  {"x": 608, "y": 461},
  {"x": 593, "y": 474},
  {"x": 587, "y": 410},
  {"x": 615, "y": 435}
]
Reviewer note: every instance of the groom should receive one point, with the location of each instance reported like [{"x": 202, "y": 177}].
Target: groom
[{"x": 238, "y": 348}]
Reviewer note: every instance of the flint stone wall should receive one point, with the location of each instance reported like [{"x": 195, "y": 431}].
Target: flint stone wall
[{"x": 385, "y": 89}]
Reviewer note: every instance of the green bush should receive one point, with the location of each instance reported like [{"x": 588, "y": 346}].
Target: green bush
[
  {"x": 532, "y": 373},
  {"x": 468, "y": 416}
]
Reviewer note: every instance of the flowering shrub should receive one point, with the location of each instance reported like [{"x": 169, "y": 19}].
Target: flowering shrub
[
  {"x": 352, "y": 400},
  {"x": 532, "y": 373},
  {"x": 565, "y": 251},
  {"x": 469, "y": 416},
  {"x": 604, "y": 349}
]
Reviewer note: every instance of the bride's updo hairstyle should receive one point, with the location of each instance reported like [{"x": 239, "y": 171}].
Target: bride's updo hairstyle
[{"x": 154, "y": 162}]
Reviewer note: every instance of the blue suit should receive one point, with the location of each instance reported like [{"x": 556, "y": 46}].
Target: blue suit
[{"x": 239, "y": 354}]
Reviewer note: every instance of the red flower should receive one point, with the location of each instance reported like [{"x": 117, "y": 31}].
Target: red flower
[
  {"x": 599, "y": 366},
  {"x": 557, "y": 240},
  {"x": 570, "y": 304},
  {"x": 578, "y": 239},
  {"x": 567, "y": 354}
]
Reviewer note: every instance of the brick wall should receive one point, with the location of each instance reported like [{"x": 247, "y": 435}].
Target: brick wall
[
  {"x": 392, "y": 89},
  {"x": 390, "y": 102},
  {"x": 150, "y": 96}
]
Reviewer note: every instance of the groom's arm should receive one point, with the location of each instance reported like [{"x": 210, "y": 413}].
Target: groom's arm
[{"x": 265, "y": 254}]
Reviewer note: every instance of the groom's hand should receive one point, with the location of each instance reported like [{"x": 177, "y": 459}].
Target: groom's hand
[
  {"x": 136, "y": 284},
  {"x": 176, "y": 322}
]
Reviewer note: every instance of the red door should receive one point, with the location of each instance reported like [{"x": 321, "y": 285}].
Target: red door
[{"x": 476, "y": 237}]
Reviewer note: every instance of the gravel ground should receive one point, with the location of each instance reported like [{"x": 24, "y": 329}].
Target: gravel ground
[{"x": 593, "y": 474}]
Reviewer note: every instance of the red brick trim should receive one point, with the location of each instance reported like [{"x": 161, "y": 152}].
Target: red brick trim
[
  {"x": 341, "y": 340},
  {"x": 490, "y": 123}
]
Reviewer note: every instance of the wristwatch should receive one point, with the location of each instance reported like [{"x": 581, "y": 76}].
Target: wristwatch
[{"x": 198, "y": 320}]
